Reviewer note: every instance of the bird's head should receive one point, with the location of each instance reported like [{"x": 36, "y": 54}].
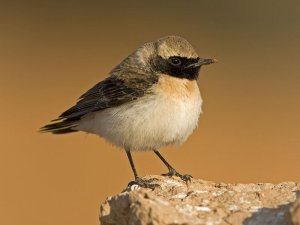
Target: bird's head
[{"x": 170, "y": 55}]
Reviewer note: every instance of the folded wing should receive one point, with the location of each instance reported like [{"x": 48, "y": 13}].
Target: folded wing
[{"x": 110, "y": 92}]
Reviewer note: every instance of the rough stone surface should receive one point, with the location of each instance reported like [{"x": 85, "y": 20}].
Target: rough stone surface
[
  {"x": 294, "y": 213},
  {"x": 204, "y": 202}
]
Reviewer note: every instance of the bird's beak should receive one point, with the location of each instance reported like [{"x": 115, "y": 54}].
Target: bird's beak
[{"x": 202, "y": 62}]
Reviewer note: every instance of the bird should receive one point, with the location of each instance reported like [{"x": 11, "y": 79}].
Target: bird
[{"x": 148, "y": 101}]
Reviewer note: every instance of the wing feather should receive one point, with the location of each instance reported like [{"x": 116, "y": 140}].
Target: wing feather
[{"x": 110, "y": 92}]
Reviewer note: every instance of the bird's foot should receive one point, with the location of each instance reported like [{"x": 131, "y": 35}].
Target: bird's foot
[
  {"x": 185, "y": 177},
  {"x": 144, "y": 183}
]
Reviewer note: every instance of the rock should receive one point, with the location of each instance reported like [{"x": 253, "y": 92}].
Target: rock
[
  {"x": 203, "y": 202},
  {"x": 294, "y": 213}
]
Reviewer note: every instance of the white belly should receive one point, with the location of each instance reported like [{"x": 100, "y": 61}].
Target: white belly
[{"x": 146, "y": 124}]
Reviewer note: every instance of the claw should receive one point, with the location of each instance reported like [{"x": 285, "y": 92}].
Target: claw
[
  {"x": 186, "y": 178},
  {"x": 144, "y": 183}
]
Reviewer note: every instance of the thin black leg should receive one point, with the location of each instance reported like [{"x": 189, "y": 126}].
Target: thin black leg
[
  {"x": 137, "y": 180},
  {"x": 172, "y": 171},
  {"x": 170, "y": 168},
  {"x": 132, "y": 164}
]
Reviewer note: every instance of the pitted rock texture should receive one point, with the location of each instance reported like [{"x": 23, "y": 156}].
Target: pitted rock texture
[{"x": 204, "y": 202}]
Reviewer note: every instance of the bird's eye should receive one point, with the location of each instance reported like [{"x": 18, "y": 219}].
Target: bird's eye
[{"x": 175, "y": 61}]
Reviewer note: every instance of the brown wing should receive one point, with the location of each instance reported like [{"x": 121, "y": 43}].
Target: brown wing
[{"x": 108, "y": 93}]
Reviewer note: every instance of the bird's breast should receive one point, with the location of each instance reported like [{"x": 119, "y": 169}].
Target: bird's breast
[
  {"x": 166, "y": 116},
  {"x": 177, "y": 88}
]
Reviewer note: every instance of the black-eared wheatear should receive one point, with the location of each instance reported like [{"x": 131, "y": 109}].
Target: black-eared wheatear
[{"x": 150, "y": 100}]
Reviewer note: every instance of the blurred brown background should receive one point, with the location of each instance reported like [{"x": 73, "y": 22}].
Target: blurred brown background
[{"x": 53, "y": 51}]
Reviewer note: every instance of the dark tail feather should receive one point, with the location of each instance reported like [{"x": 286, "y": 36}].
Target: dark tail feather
[
  {"x": 64, "y": 131},
  {"x": 62, "y": 127}
]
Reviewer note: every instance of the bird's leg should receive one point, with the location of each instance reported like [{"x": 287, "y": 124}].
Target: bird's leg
[
  {"x": 172, "y": 171},
  {"x": 137, "y": 180}
]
